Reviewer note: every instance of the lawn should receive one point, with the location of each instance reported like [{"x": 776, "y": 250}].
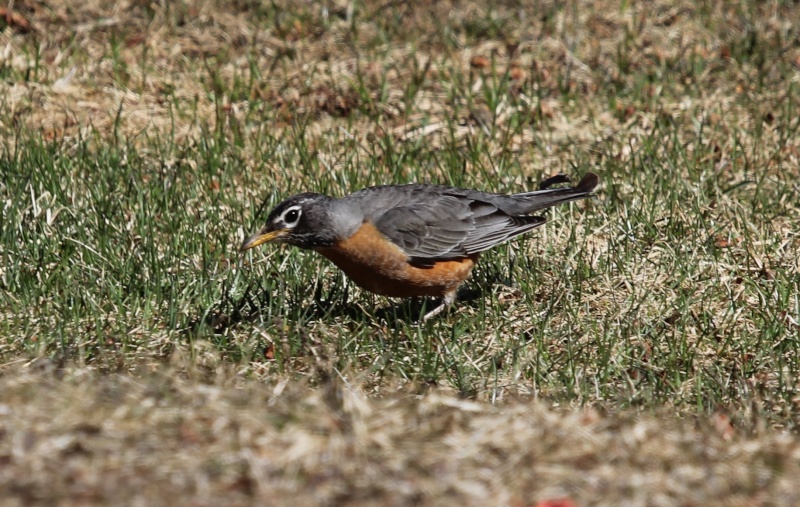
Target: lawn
[{"x": 642, "y": 348}]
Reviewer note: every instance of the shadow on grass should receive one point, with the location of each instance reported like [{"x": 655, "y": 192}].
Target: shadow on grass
[
  {"x": 333, "y": 303},
  {"x": 230, "y": 313}
]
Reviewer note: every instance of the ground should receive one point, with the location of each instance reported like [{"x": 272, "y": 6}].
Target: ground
[{"x": 639, "y": 349}]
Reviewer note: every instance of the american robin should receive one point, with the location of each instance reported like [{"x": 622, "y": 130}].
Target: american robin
[{"x": 411, "y": 240}]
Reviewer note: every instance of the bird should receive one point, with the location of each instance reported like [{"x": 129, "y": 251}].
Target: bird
[{"x": 414, "y": 239}]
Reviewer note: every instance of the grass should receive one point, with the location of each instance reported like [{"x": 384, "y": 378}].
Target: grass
[{"x": 656, "y": 323}]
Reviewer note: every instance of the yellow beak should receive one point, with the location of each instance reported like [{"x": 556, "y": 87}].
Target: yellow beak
[{"x": 260, "y": 238}]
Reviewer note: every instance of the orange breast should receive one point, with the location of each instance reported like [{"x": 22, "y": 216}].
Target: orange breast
[{"x": 378, "y": 265}]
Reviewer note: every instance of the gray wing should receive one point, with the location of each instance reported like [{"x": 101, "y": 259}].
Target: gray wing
[
  {"x": 450, "y": 226},
  {"x": 431, "y": 222}
]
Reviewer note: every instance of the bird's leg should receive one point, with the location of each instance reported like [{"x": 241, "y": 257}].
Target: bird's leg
[{"x": 448, "y": 299}]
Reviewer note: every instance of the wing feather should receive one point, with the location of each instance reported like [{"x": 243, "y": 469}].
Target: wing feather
[
  {"x": 431, "y": 222},
  {"x": 450, "y": 227}
]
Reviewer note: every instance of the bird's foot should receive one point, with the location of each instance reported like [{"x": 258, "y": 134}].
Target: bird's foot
[{"x": 447, "y": 302}]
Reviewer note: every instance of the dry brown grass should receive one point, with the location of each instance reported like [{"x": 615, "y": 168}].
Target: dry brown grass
[
  {"x": 77, "y": 438},
  {"x": 141, "y": 69}
]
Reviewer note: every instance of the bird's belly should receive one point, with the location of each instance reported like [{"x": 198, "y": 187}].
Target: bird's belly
[{"x": 379, "y": 266}]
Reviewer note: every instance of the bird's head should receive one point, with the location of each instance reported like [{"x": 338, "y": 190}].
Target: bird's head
[{"x": 302, "y": 220}]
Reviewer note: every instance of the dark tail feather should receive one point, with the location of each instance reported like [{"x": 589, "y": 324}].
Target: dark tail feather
[
  {"x": 546, "y": 197},
  {"x": 588, "y": 183},
  {"x": 553, "y": 180}
]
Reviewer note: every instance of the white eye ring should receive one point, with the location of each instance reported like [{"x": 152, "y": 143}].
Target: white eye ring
[{"x": 291, "y": 216}]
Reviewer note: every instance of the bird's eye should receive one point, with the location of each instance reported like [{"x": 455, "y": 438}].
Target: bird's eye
[{"x": 291, "y": 216}]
